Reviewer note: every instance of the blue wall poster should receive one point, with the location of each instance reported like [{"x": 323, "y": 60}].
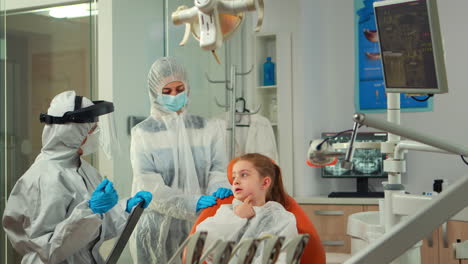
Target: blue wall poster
[{"x": 370, "y": 93}]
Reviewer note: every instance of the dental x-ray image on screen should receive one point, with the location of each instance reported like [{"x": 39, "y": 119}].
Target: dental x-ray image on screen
[
  {"x": 411, "y": 46},
  {"x": 366, "y": 162}
]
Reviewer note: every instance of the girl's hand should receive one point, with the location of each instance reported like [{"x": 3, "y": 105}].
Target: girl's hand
[{"x": 245, "y": 210}]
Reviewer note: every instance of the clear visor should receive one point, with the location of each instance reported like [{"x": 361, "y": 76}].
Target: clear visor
[{"x": 108, "y": 135}]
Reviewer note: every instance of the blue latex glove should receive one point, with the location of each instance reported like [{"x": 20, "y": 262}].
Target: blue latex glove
[
  {"x": 141, "y": 196},
  {"x": 103, "y": 198},
  {"x": 222, "y": 193},
  {"x": 205, "y": 201}
]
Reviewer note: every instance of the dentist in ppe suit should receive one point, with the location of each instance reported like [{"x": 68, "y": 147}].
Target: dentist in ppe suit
[
  {"x": 61, "y": 210},
  {"x": 180, "y": 158}
]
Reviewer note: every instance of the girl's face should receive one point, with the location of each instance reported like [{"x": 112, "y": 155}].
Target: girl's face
[{"x": 247, "y": 181}]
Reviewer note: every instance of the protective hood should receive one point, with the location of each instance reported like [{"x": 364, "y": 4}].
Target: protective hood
[
  {"x": 61, "y": 141},
  {"x": 163, "y": 71}
]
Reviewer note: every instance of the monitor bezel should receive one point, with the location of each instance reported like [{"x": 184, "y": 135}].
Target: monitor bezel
[{"x": 437, "y": 47}]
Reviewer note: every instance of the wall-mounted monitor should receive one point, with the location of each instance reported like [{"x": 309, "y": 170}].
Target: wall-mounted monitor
[{"x": 411, "y": 46}]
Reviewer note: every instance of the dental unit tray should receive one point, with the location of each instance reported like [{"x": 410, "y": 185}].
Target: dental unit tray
[{"x": 123, "y": 239}]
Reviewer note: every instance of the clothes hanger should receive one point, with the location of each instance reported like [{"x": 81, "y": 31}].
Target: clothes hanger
[{"x": 246, "y": 112}]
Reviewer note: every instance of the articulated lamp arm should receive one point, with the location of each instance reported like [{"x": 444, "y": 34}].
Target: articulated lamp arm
[
  {"x": 409, "y": 133},
  {"x": 405, "y": 234}
]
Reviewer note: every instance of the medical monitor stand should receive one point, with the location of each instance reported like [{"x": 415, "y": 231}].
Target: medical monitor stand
[{"x": 362, "y": 187}]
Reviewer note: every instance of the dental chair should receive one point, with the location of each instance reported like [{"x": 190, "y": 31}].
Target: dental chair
[{"x": 314, "y": 252}]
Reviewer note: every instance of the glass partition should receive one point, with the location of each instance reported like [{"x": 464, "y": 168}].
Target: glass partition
[
  {"x": 45, "y": 50},
  {"x": 51, "y": 48}
]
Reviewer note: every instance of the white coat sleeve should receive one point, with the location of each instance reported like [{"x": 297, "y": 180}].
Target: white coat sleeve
[
  {"x": 37, "y": 222},
  {"x": 217, "y": 175},
  {"x": 267, "y": 140},
  {"x": 166, "y": 200},
  {"x": 261, "y": 138}
]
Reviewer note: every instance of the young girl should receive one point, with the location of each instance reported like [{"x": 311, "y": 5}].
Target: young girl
[{"x": 258, "y": 207}]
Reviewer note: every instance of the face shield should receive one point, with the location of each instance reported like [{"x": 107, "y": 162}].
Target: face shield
[
  {"x": 108, "y": 140},
  {"x": 101, "y": 113}
]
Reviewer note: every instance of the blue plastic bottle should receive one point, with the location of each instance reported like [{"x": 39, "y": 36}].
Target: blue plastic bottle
[{"x": 268, "y": 72}]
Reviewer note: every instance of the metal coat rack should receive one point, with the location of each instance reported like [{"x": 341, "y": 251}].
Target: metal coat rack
[{"x": 230, "y": 105}]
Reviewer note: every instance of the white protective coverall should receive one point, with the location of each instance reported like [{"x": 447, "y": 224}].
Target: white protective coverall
[
  {"x": 271, "y": 218},
  {"x": 47, "y": 217},
  {"x": 178, "y": 158}
]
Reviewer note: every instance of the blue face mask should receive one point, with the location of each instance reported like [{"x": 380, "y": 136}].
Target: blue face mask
[{"x": 173, "y": 103}]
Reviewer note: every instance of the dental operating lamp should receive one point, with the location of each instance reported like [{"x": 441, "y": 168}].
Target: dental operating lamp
[{"x": 213, "y": 21}]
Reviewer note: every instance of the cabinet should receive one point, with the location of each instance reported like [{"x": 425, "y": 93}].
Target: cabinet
[
  {"x": 440, "y": 249},
  {"x": 276, "y": 100},
  {"x": 266, "y": 96},
  {"x": 429, "y": 248},
  {"x": 331, "y": 221}
]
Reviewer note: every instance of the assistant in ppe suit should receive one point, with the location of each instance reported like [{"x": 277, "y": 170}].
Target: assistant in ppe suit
[
  {"x": 178, "y": 157},
  {"x": 60, "y": 210}
]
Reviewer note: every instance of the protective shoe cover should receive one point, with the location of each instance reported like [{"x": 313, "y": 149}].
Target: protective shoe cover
[
  {"x": 270, "y": 218},
  {"x": 178, "y": 158},
  {"x": 47, "y": 217}
]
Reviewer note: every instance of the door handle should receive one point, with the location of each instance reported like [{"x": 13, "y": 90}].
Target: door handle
[
  {"x": 323, "y": 212},
  {"x": 333, "y": 242},
  {"x": 445, "y": 235}
]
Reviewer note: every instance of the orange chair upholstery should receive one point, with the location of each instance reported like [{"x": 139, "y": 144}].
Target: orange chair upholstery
[{"x": 313, "y": 253}]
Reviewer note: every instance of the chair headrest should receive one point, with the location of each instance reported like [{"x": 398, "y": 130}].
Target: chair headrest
[{"x": 229, "y": 169}]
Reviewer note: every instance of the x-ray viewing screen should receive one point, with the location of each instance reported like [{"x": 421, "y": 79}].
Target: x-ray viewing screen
[
  {"x": 406, "y": 46},
  {"x": 366, "y": 162}
]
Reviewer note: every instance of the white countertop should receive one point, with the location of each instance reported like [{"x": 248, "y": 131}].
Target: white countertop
[{"x": 326, "y": 200}]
